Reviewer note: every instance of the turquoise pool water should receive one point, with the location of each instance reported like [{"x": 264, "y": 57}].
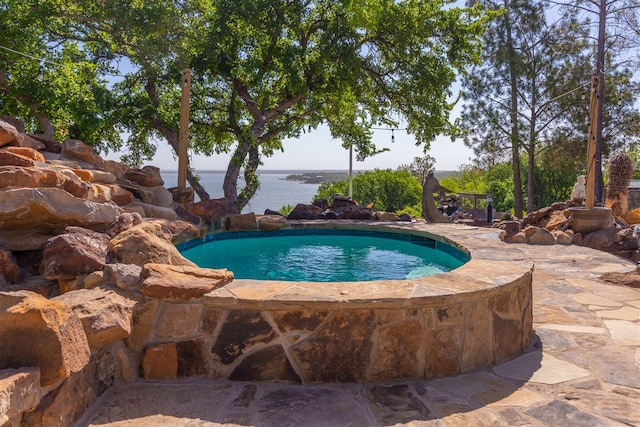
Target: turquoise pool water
[{"x": 325, "y": 258}]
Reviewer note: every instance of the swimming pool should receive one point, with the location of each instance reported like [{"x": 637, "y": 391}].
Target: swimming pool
[
  {"x": 325, "y": 255},
  {"x": 362, "y": 331}
]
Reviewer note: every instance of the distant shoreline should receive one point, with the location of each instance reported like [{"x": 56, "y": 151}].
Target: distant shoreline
[
  {"x": 275, "y": 171},
  {"x": 305, "y": 176},
  {"x": 298, "y": 171}
]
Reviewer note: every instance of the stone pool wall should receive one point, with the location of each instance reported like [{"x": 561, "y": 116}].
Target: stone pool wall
[
  {"x": 475, "y": 316},
  {"x": 328, "y": 341}
]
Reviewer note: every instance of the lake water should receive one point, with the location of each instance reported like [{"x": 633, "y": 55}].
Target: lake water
[{"x": 274, "y": 192}]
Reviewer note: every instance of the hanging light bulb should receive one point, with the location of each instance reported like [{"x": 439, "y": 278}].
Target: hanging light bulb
[
  {"x": 40, "y": 76},
  {"x": 392, "y": 136}
]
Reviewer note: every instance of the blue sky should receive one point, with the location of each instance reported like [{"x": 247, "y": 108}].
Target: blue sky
[{"x": 318, "y": 151}]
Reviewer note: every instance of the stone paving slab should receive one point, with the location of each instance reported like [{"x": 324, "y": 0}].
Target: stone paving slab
[{"x": 583, "y": 369}]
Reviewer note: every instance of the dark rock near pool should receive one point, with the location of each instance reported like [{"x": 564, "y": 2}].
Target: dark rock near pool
[
  {"x": 212, "y": 211},
  {"x": 272, "y": 212},
  {"x": 302, "y": 211}
]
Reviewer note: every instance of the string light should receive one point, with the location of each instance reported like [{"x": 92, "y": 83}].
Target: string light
[{"x": 46, "y": 61}]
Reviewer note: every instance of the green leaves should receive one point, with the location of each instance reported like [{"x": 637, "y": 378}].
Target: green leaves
[
  {"x": 263, "y": 70},
  {"x": 390, "y": 191}
]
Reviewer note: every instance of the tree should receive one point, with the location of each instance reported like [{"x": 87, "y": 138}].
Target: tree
[
  {"x": 512, "y": 96},
  {"x": 420, "y": 167},
  {"x": 529, "y": 95},
  {"x": 390, "y": 191},
  {"x": 268, "y": 70},
  {"x": 55, "y": 88},
  {"x": 616, "y": 36}
]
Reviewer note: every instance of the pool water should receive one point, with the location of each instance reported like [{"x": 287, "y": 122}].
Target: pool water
[{"x": 322, "y": 258}]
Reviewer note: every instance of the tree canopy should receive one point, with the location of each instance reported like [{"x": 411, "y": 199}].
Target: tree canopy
[
  {"x": 528, "y": 99},
  {"x": 265, "y": 70}
]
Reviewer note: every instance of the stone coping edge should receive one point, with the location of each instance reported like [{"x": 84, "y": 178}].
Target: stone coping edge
[{"x": 482, "y": 276}]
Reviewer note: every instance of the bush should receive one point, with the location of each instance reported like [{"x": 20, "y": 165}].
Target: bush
[{"x": 390, "y": 191}]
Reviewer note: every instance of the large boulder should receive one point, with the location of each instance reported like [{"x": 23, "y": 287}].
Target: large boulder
[
  {"x": 24, "y": 240},
  {"x": 75, "y": 149},
  {"x": 65, "y": 405},
  {"x": 122, "y": 222},
  {"x": 50, "y": 144},
  {"x": 542, "y": 237},
  {"x": 212, "y": 211},
  {"x": 43, "y": 333},
  {"x": 19, "y": 392},
  {"x": 75, "y": 186},
  {"x": 533, "y": 218},
  {"x": 148, "y": 210},
  {"x": 29, "y": 177},
  {"x": 8, "y": 133},
  {"x": 103, "y": 177},
  {"x": 387, "y": 216},
  {"x": 181, "y": 282},
  {"x": 105, "y": 315},
  {"x": 148, "y": 176},
  {"x": 161, "y": 196},
  {"x": 303, "y": 211},
  {"x": 51, "y": 209},
  {"x": 124, "y": 276},
  {"x": 348, "y": 209},
  {"x": 120, "y": 196},
  {"x": 272, "y": 222},
  {"x": 241, "y": 222},
  {"x": 116, "y": 168},
  {"x": 510, "y": 227},
  {"x": 27, "y": 152},
  {"x": 182, "y": 195},
  {"x": 600, "y": 239},
  {"x": 8, "y": 158},
  {"x": 26, "y": 141},
  {"x": 144, "y": 194},
  {"x": 13, "y": 121},
  {"x": 145, "y": 244},
  {"x": 76, "y": 252},
  {"x": 177, "y": 231}
]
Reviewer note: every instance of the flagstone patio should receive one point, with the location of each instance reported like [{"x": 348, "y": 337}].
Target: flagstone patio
[{"x": 582, "y": 369}]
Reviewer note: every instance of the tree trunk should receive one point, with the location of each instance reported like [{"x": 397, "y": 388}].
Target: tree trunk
[
  {"x": 515, "y": 137},
  {"x": 230, "y": 184},
  {"x": 250, "y": 152},
  {"x": 173, "y": 139},
  {"x": 45, "y": 124},
  {"x": 531, "y": 188}
]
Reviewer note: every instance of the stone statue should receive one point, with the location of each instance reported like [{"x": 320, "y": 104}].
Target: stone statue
[{"x": 579, "y": 191}]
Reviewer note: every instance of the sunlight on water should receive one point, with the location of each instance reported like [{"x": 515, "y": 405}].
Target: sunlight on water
[{"x": 321, "y": 258}]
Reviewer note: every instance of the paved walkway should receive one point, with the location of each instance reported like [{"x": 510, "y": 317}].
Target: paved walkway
[{"x": 583, "y": 369}]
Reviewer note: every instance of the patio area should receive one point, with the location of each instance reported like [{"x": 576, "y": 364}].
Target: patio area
[{"x": 582, "y": 369}]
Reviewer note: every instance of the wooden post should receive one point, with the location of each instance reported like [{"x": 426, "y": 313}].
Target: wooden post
[
  {"x": 591, "y": 144},
  {"x": 351, "y": 172},
  {"x": 184, "y": 128}
]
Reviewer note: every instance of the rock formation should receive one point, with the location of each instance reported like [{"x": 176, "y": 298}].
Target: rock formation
[{"x": 86, "y": 244}]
